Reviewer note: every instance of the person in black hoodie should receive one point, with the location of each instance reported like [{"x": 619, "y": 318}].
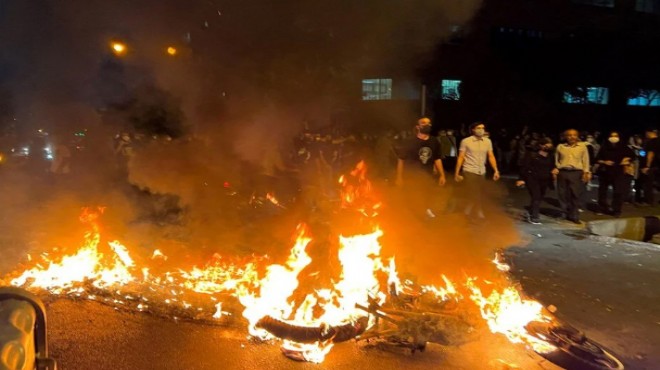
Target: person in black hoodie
[
  {"x": 613, "y": 159},
  {"x": 536, "y": 173}
]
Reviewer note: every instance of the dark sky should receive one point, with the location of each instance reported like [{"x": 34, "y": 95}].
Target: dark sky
[{"x": 290, "y": 53}]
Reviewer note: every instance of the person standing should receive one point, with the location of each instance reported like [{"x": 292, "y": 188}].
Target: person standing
[
  {"x": 536, "y": 174},
  {"x": 572, "y": 172},
  {"x": 473, "y": 153},
  {"x": 448, "y": 146},
  {"x": 648, "y": 166},
  {"x": 612, "y": 160},
  {"x": 422, "y": 156},
  {"x": 636, "y": 144}
]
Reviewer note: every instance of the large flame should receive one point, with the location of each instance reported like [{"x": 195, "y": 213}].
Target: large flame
[
  {"x": 87, "y": 263},
  {"x": 275, "y": 290},
  {"x": 507, "y": 313}
]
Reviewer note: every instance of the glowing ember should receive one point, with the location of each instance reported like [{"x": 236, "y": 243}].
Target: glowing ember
[
  {"x": 158, "y": 254},
  {"x": 508, "y": 313},
  {"x": 272, "y": 199},
  {"x": 499, "y": 264},
  {"x": 393, "y": 281},
  {"x": 219, "y": 312}
]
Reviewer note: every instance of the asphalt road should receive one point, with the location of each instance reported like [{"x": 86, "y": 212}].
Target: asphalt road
[
  {"x": 89, "y": 335},
  {"x": 606, "y": 287}
]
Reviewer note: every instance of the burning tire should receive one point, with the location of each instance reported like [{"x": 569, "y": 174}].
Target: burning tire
[
  {"x": 574, "y": 350},
  {"x": 306, "y": 334}
]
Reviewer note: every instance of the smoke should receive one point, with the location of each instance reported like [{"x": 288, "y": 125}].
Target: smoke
[{"x": 246, "y": 77}]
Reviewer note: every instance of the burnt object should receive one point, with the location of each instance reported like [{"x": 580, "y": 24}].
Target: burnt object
[
  {"x": 575, "y": 351},
  {"x": 312, "y": 334}
]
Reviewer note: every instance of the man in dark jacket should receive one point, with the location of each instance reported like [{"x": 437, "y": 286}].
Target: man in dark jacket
[
  {"x": 612, "y": 160},
  {"x": 536, "y": 174}
]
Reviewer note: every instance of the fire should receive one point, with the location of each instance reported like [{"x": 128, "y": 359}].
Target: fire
[
  {"x": 357, "y": 192},
  {"x": 504, "y": 267},
  {"x": 88, "y": 263},
  {"x": 447, "y": 292},
  {"x": 275, "y": 291},
  {"x": 276, "y": 287},
  {"x": 158, "y": 254},
  {"x": 507, "y": 313}
]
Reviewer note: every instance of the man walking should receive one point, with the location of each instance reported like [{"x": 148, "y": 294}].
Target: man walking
[
  {"x": 422, "y": 155},
  {"x": 572, "y": 172},
  {"x": 473, "y": 153}
]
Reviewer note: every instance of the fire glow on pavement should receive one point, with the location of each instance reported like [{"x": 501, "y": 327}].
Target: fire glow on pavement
[{"x": 109, "y": 271}]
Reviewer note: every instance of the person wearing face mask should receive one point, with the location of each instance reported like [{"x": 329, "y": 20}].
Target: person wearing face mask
[
  {"x": 595, "y": 147},
  {"x": 421, "y": 157},
  {"x": 536, "y": 174},
  {"x": 473, "y": 153},
  {"x": 613, "y": 161},
  {"x": 572, "y": 171}
]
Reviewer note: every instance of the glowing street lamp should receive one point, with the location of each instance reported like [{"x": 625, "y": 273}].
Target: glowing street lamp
[
  {"x": 171, "y": 50},
  {"x": 118, "y": 48}
]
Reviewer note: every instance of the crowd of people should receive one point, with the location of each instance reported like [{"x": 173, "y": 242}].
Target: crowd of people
[{"x": 571, "y": 163}]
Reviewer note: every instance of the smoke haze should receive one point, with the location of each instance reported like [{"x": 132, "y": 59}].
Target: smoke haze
[{"x": 245, "y": 78}]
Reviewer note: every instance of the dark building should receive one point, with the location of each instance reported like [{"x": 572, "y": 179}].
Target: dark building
[{"x": 551, "y": 64}]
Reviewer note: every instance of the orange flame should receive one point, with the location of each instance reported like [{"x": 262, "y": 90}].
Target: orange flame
[
  {"x": 270, "y": 292},
  {"x": 357, "y": 192},
  {"x": 508, "y": 313}
]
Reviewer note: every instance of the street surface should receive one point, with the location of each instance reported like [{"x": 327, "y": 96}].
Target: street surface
[
  {"x": 89, "y": 335},
  {"x": 605, "y": 287}
]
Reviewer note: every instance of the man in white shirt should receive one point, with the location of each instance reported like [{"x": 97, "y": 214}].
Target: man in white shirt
[{"x": 473, "y": 153}]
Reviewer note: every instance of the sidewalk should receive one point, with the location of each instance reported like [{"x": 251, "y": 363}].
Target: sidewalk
[{"x": 519, "y": 199}]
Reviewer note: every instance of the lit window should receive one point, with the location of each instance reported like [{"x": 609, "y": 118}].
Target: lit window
[
  {"x": 648, "y": 6},
  {"x": 644, "y": 98},
  {"x": 587, "y": 95},
  {"x": 377, "y": 89},
  {"x": 451, "y": 89},
  {"x": 604, "y": 3}
]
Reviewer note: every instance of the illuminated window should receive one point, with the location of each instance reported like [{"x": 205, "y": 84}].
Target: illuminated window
[
  {"x": 648, "y": 6},
  {"x": 644, "y": 98},
  {"x": 451, "y": 89},
  {"x": 377, "y": 89},
  {"x": 587, "y": 95},
  {"x": 603, "y": 3}
]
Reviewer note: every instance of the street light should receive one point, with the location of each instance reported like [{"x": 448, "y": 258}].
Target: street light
[
  {"x": 171, "y": 50},
  {"x": 118, "y": 48}
]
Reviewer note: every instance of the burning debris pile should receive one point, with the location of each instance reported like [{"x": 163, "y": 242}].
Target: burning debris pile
[{"x": 365, "y": 300}]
